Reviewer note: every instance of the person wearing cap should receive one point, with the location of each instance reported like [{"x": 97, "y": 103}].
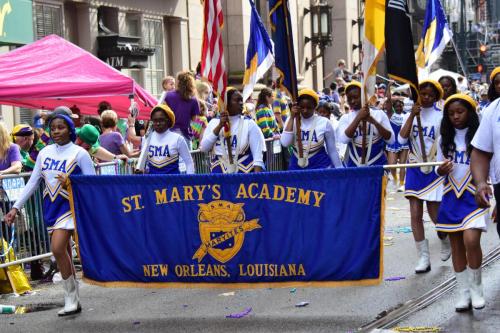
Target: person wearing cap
[
  {"x": 88, "y": 139},
  {"x": 484, "y": 100},
  {"x": 485, "y": 158},
  {"x": 421, "y": 184},
  {"x": 245, "y": 137},
  {"x": 163, "y": 148},
  {"x": 54, "y": 165},
  {"x": 459, "y": 214},
  {"x": 318, "y": 136},
  {"x": 378, "y": 130},
  {"x": 494, "y": 88},
  {"x": 23, "y": 136}
]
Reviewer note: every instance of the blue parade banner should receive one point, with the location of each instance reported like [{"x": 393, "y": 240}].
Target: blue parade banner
[{"x": 300, "y": 228}]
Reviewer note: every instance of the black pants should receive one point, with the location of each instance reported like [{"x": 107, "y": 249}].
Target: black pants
[{"x": 497, "y": 198}]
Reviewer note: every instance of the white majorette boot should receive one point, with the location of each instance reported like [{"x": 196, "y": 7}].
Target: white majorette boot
[
  {"x": 463, "y": 301},
  {"x": 476, "y": 288},
  {"x": 445, "y": 249},
  {"x": 71, "y": 297},
  {"x": 424, "y": 263}
]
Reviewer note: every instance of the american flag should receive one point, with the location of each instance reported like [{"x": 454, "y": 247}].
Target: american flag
[{"x": 212, "y": 53}]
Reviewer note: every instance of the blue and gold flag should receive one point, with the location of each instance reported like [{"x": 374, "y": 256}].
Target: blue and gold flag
[
  {"x": 435, "y": 35},
  {"x": 259, "y": 53},
  {"x": 284, "y": 54},
  {"x": 289, "y": 228}
]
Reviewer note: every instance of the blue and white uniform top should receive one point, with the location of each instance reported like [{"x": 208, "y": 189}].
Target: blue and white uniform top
[
  {"x": 431, "y": 125},
  {"x": 163, "y": 152},
  {"x": 318, "y": 142},
  {"x": 458, "y": 210},
  {"x": 423, "y": 183},
  {"x": 487, "y": 137},
  {"x": 375, "y": 143},
  {"x": 397, "y": 121},
  {"x": 52, "y": 161},
  {"x": 247, "y": 144}
]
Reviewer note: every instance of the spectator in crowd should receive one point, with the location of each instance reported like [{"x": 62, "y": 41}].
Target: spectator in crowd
[
  {"x": 462, "y": 84},
  {"x": 484, "y": 100},
  {"x": 23, "y": 136},
  {"x": 339, "y": 71},
  {"x": 264, "y": 115},
  {"x": 10, "y": 154},
  {"x": 280, "y": 108},
  {"x": 77, "y": 116},
  {"x": 183, "y": 103},
  {"x": 94, "y": 121},
  {"x": 168, "y": 83},
  {"x": 335, "y": 93},
  {"x": 111, "y": 139},
  {"x": 88, "y": 139},
  {"x": 103, "y": 106},
  {"x": 198, "y": 125}
]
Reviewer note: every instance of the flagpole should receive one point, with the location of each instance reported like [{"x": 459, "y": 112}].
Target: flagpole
[
  {"x": 293, "y": 78},
  {"x": 459, "y": 57}
]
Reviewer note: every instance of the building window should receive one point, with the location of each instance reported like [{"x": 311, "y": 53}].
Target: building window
[
  {"x": 153, "y": 37},
  {"x": 133, "y": 25},
  {"x": 49, "y": 20}
]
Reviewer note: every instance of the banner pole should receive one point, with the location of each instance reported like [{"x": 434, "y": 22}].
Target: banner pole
[{"x": 411, "y": 165}]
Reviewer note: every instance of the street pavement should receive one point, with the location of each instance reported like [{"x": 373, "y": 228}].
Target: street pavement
[{"x": 273, "y": 309}]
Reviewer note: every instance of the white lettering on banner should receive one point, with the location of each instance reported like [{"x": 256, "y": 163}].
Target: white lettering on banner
[{"x": 13, "y": 187}]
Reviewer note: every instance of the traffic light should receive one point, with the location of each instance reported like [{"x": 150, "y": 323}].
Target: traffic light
[{"x": 482, "y": 57}]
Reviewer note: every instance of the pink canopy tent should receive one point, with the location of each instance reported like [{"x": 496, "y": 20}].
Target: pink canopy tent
[{"x": 52, "y": 72}]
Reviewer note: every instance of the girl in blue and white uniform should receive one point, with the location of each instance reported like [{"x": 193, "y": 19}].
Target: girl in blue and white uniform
[
  {"x": 397, "y": 151},
  {"x": 350, "y": 130},
  {"x": 459, "y": 215},
  {"x": 318, "y": 136},
  {"x": 163, "y": 148},
  {"x": 422, "y": 184},
  {"x": 54, "y": 164},
  {"x": 246, "y": 139}
]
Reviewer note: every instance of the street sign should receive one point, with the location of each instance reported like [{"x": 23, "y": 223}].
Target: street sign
[{"x": 16, "y": 22}]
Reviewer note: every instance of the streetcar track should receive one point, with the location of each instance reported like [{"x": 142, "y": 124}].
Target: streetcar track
[{"x": 390, "y": 318}]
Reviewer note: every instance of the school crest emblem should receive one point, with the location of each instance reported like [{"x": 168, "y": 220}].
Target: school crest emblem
[{"x": 222, "y": 228}]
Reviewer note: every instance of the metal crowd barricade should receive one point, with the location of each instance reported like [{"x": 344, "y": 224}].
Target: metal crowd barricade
[
  {"x": 30, "y": 235},
  {"x": 274, "y": 155}
]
